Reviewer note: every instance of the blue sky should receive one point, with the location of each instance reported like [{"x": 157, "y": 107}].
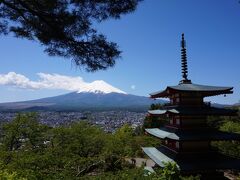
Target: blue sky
[{"x": 150, "y": 41}]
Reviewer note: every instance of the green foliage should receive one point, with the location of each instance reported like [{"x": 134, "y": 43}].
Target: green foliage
[
  {"x": 154, "y": 121},
  {"x": 228, "y": 124},
  {"x": 231, "y": 126},
  {"x": 32, "y": 151},
  {"x": 125, "y": 174},
  {"x": 124, "y": 142},
  {"x": 171, "y": 171},
  {"x": 5, "y": 175},
  {"x": 155, "y": 106},
  {"x": 191, "y": 177},
  {"x": 215, "y": 121},
  {"x": 228, "y": 148},
  {"x": 78, "y": 139},
  {"x": 24, "y": 132}
]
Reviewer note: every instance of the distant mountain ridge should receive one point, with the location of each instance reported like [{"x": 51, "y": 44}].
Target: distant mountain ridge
[
  {"x": 95, "y": 96},
  {"x": 79, "y": 101}
]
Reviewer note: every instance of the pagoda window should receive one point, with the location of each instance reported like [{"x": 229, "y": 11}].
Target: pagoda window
[
  {"x": 174, "y": 101},
  {"x": 177, "y": 100},
  {"x": 178, "y": 121},
  {"x": 177, "y": 145},
  {"x": 171, "y": 121},
  {"x": 166, "y": 142}
]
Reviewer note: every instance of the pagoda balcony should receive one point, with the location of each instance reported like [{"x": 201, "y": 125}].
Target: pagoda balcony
[
  {"x": 197, "y": 162},
  {"x": 188, "y": 110},
  {"x": 201, "y": 126},
  {"x": 158, "y": 157},
  {"x": 174, "y": 152},
  {"x": 193, "y": 134}
]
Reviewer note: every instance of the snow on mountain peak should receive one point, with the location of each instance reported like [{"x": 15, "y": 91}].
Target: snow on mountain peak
[{"x": 100, "y": 86}]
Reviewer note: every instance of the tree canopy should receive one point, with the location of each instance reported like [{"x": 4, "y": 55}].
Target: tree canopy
[
  {"x": 65, "y": 27},
  {"x": 30, "y": 150}
]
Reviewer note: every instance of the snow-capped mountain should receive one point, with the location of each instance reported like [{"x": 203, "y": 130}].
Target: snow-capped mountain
[
  {"x": 100, "y": 86},
  {"x": 97, "y": 95},
  {"x": 76, "y": 101}
]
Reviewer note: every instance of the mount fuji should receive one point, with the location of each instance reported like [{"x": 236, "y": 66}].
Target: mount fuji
[
  {"x": 100, "y": 86},
  {"x": 97, "y": 95}
]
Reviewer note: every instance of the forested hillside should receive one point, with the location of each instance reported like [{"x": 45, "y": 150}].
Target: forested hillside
[
  {"x": 30, "y": 150},
  {"x": 228, "y": 124}
]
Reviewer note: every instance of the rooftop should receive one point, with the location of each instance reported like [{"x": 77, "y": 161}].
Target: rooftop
[
  {"x": 202, "y": 162},
  {"x": 157, "y": 156},
  {"x": 205, "y": 90},
  {"x": 211, "y": 134}
]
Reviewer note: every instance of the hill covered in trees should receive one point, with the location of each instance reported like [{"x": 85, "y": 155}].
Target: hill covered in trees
[{"x": 30, "y": 150}]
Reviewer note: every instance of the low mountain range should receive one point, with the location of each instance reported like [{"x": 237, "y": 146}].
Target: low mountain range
[{"x": 99, "y": 96}]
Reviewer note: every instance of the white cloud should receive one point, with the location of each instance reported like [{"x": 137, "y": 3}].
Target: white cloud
[
  {"x": 133, "y": 87},
  {"x": 18, "y": 80},
  {"x": 56, "y": 81}
]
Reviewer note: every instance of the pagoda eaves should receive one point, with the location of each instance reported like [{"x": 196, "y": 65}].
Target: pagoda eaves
[
  {"x": 186, "y": 163},
  {"x": 204, "y": 90},
  {"x": 189, "y": 135},
  {"x": 193, "y": 111}
]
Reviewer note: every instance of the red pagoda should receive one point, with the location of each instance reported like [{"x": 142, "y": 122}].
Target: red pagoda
[{"x": 186, "y": 138}]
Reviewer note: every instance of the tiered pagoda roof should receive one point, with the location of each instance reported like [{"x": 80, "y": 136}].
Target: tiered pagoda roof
[
  {"x": 193, "y": 88},
  {"x": 198, "y": 162},
  {"x": 187, "y": 137}
]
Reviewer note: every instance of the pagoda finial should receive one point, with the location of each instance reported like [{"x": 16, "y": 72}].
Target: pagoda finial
[{"x": 184, "y": 62}]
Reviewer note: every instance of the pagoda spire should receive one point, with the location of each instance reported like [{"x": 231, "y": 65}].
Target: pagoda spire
[{"x": 184, "y": 61}]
